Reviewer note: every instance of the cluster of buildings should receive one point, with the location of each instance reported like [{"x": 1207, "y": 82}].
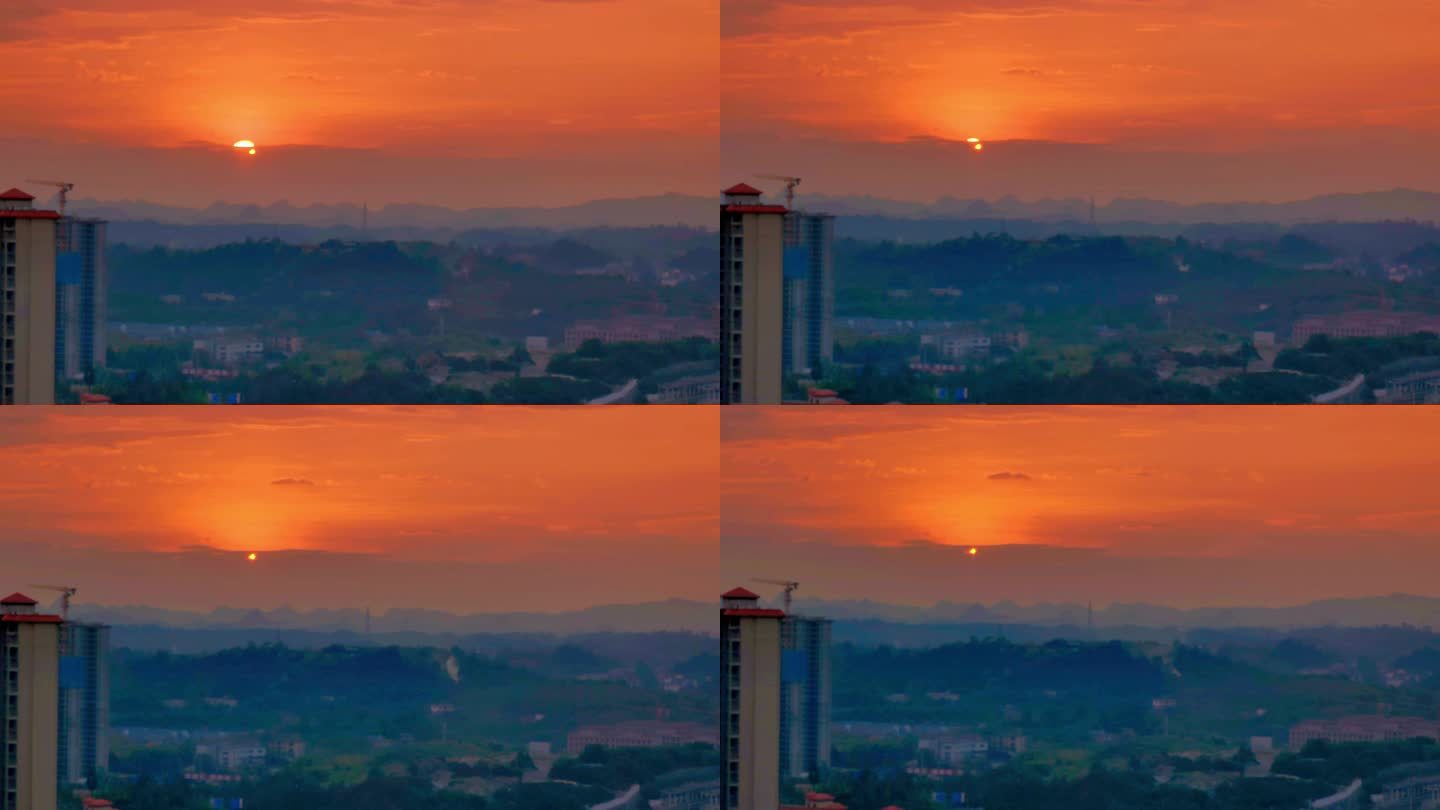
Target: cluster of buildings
[
  {"x": 777, "y": 295},
  {"x": 640, "y": 734},
  {"x": 637, "y": 329},
  {"x": 1363, "y": 729},
  {"x": 52, "y": 319},
  {"x": 55, "y": 718},
  {"x": 775, "y": 687},
  {"x": 1373, "y": 323}
]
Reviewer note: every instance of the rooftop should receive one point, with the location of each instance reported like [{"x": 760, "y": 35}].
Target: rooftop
[
  {"x": 737, "y": 190},
  {"x": 18, "y": 598},
  {"x": 15, "y": 194},
  {"x": 739, "y": 593}
]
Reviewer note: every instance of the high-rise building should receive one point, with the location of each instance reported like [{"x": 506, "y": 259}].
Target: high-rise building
[
  {"x": 804, "y": 696},
  {"x": 752, "y": 298},
  {"x": 84, "y": 747},
  {"x": 27, "y": 314},
  {"x": 749, "y": 702},
  {"x": 809, "y": 337},
  {"x": 82, "y": 281},
  {"x": 30, "y": 714}
]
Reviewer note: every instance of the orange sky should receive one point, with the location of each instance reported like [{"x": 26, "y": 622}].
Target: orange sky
[
  {"x": 448, "y": 508},
  {"x": 1282, "y": 89},
  {"x": 1185, "y": 506},
  {"x": 542, "y": 88}
]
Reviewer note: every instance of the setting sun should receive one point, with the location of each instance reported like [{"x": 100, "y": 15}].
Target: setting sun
[
  {"x": 251, "y": 557},
  {"x": 248, "y": 145}
]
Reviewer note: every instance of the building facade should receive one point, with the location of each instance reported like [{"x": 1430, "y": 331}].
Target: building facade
[
  {"x": 1363, "y": 729},
  {"x": 805, "y": 697},
  {"x": 749, "y": 702},
  {"x": 30, "y": 714},
  {"x": 27, "y": 311},
  {"x": 84, "y": 746},
  {"x": 808, "y": 332},
  {"x": 639, "y": 734},
  {"x": 82, "y": 287},
  {"x": 752, "y": 298}
]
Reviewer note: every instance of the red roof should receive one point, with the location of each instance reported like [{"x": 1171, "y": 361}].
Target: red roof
[
  {"x": 30, "y": 618},
  {"x": 90, "y": 802},
  {"x": 739, "y": 593},
  {"x": 754, "y": 209},
  {"x": 18, "y": 598},
  {"x": 754, "y": 613},
  {"x": 738, "y": 190},
  {"x": 819, "y": 797},
  {"x": 94, "y": 399},
  {"x": 28, "y": 214},
  {"x": 16, "y": 194}
]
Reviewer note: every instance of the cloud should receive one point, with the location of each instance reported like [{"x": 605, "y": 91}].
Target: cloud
[
  {"x": 292, "y": 482},
  {"x": 744, "y": 18},
  {"x": 1008, "y": 476}
]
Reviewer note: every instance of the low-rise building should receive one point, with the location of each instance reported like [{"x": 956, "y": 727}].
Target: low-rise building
[
  {"x": 638, "y": 329},
  {"x": 703, "y": 795},
  {"x": 956, "y": 749},
  {"x": 1363, "y": 728},
  {"x": 640, "y": 734},
  {"x": 1370, "y": 323},
  {"x": 699, "y": 389},
  {"x": 231, "y": 351}
]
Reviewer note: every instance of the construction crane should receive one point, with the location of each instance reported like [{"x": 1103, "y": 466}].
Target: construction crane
[
  {"x": 65, "y": 189},
  {"x": 790, "y": 586},
  {"x": 65, "y": 591},
  {"x": 790, "y": 184}
]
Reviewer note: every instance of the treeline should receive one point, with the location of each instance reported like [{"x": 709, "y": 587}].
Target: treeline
[
  {"x": 1034, "y": 383},
  {"x": 296, "y": 789},
  {"x": 616, "y": 769}
]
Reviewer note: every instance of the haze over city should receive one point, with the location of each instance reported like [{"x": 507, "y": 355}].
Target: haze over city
[
  {"x": 1185, "y": 101},
  {"x": 441, "y": 508},
  {"x": 1182, "y": 507}
]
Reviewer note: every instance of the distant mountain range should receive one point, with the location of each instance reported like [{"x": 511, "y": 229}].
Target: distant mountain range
[
  {"x": 1373, "y": 206},
  {"x": 1395, "y": 609},
  {"x": 675, "y": 614},
  {"x": 666, "y": 209},
  {"x": 696, "y": 211},
  {"x": 692, "y": 616}
]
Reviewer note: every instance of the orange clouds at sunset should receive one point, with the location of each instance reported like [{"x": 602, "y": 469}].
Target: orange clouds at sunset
[
  {"x": 1211, "y": 86},
  {"x": 1176, "y": 505},
  {"x": 449, "y": 508},
  {"x": 550, "y": 83}
]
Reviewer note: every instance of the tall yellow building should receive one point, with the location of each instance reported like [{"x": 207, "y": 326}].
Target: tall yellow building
[
  {"x": 30, "y": 713},
  {"x": 749, "y": 702},
  {"x": 752, "y": 298},
  {"x": 27, "y": 313}
]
